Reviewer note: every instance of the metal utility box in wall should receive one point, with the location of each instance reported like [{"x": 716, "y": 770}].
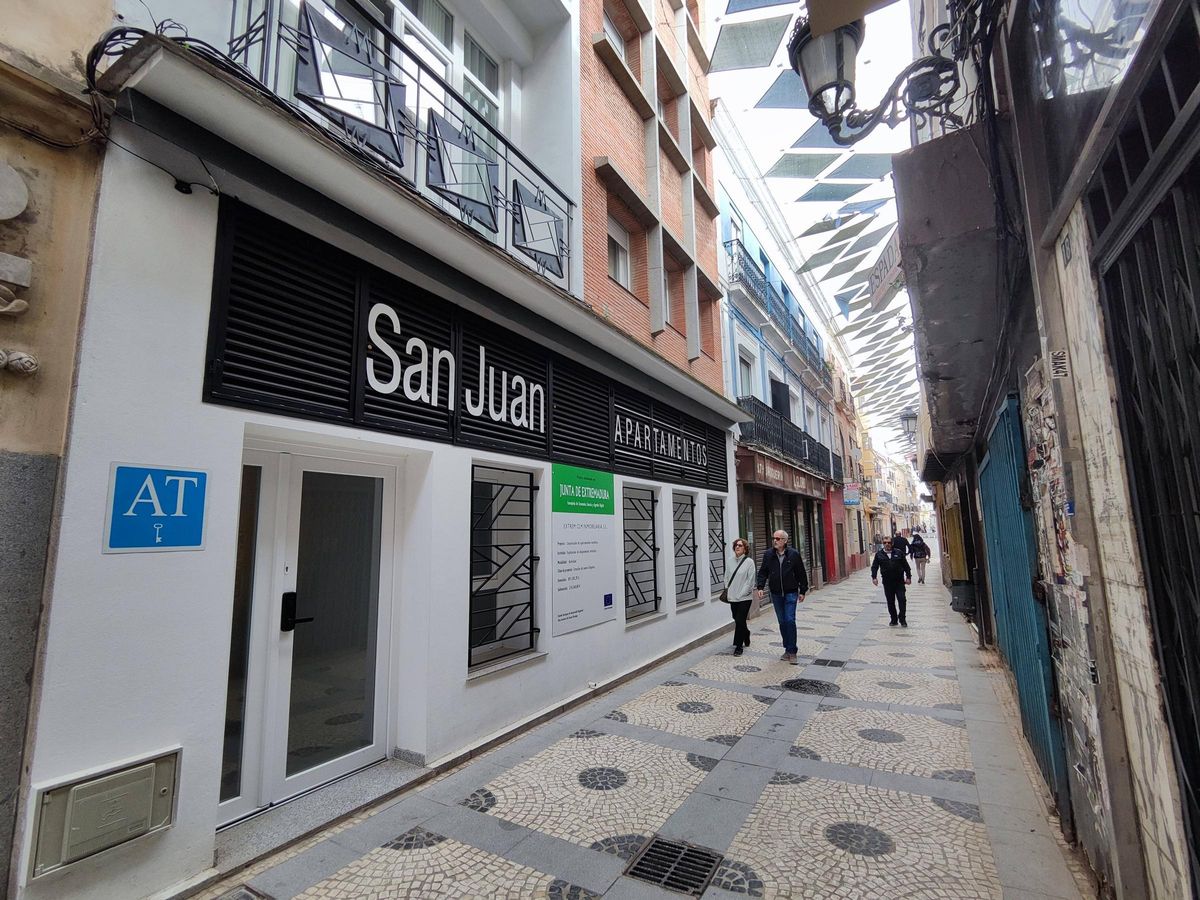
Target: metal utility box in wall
[{"x": 84, "y": 817}]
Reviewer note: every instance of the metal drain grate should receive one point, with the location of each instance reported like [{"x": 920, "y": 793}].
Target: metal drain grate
[
  {"x": 675, "y": 865},
  {"x": 243, "y": 892}
]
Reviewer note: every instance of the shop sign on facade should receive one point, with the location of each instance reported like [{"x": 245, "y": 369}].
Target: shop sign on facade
[
  {"x": 757, "y": 468},
  {"x": 155, "y": 508},
  {"x": 301, "y": 327},
  {"x": 852, "y": 494},
  {"x": 585, "y": 548}
]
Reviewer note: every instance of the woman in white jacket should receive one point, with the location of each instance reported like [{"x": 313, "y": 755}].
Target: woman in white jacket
[{"x": 739, "y": 593}]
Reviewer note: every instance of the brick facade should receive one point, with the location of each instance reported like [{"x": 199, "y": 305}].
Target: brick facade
[{"x": 613, "y": 128}]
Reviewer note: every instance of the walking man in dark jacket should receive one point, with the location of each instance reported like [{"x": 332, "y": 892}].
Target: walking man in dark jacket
[
  {"x": 896, "y": 574},
  {"x": 782, "y": 571}
]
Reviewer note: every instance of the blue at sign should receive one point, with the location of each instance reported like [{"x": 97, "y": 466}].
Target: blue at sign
[{"x": 155, "y": 509}]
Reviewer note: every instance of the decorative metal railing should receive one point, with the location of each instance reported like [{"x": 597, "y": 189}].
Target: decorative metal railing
[
  {"x": 886, "y": 497},
  {"x": 503, "y": 564},
  {"x": 773, "y": 431},
  {"x": 687, "y": 586},
  {"x": 641, "y": 551},
  {"x": 745, "y": 270},
  {"x": 342, "y": 68}
]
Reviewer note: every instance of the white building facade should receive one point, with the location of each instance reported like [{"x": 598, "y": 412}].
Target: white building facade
[{"x": 354, "y": 475}]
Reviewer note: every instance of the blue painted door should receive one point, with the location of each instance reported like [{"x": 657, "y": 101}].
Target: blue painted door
[{"x": 1021, "y": 628}]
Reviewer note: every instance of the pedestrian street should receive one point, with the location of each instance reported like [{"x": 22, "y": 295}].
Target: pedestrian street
[{"x": 884, "y": 765}]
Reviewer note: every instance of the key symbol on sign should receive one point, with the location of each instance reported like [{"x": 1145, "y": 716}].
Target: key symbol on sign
[{"x": 158, "y": 532}]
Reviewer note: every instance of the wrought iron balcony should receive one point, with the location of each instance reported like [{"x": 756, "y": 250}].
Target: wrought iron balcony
[
  {"x": 772, "y": 430},
  {"x": 745, "y": 271},
  {"x": 837, "y": 470},
  {"x": 342, "y": 68},
  {"x": 886, "y": 497}
]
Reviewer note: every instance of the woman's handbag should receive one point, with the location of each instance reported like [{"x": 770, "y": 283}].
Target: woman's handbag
[{"x": 725, "y": 590}]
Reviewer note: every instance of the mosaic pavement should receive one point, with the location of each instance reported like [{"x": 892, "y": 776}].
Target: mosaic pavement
[
  {"x": 889, "y": 742},
  {"x": 825, "y": 839},
  {"x": 693, "y": 710},
  {"x": 592, "y": 787},
  {"x": 805, "y": 797}
]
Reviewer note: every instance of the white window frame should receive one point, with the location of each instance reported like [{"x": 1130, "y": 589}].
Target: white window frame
[
  {"x": 468, "y": 76},
  {"x": 666, "y": 287},
  {"x": 618, "y": 234},
  {"x": 746, "y": 390}
]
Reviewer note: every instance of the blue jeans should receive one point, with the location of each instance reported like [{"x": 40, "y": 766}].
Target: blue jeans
[{"x": 785, "y": 612}]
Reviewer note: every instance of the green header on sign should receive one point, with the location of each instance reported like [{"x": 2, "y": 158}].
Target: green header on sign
[{"x": 583, "y": 491}]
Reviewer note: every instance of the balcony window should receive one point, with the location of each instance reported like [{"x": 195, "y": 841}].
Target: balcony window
[
  {"x": 435, "y": 17},
  {"x": 745, "y": 377},
  {"x": 618, "y": 253},
  {"x": 481, "y": 81}
]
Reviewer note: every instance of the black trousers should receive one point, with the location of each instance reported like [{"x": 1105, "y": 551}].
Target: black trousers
[
  {"x": 895, "y": 595},
  {"x": 741, "y": 631}
]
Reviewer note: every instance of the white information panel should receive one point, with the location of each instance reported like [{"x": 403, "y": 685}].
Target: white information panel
[{"x": 587, "y": 578}]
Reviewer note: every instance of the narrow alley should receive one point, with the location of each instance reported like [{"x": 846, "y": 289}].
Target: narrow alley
[{"x": 885, "y": 766}]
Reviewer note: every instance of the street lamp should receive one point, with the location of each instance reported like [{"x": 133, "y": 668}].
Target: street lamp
[
  {"x": 924, "y": 90},
  {"x": 908, "y": 421}
]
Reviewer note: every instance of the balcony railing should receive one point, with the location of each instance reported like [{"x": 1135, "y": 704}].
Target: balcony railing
[
  {"x": 343, "y": 69},
  {"x": 886, "y": 497},
  {"x": 774, "y": 431},
  {"x": 745, "y": 270},
  {"x": 837, "y": 470}
]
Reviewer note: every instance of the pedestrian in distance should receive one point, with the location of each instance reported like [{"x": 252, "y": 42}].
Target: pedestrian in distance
[
  {"x": 782, "y": 572},
  {"x": 739, "y": 593},
  {"x": 893, "y": 567},
  {"x": 919, "y": 551},
  {"x": 899, "y": 543}
]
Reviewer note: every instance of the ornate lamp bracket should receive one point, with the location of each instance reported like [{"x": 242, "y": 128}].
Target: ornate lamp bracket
[{"x": 923, "y": 91}]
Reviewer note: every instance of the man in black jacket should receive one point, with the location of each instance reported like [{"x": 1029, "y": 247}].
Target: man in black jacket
[
  {"x": 782, "y": 570},
  {"x": 896, "y": 574}
]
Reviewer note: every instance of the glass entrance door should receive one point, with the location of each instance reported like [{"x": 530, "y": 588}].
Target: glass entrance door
[{"x": 307, "y": 688}]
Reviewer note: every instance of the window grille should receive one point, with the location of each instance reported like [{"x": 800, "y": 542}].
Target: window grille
[
  {"x": 716, "y": 543},
  {"x": 502, "y": 562},
  {"x": 686, "y": 589},
  {"x": 641, "y": 552}
]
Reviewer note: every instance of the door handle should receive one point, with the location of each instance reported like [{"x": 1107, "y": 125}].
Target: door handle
[{"x": 287, "y": 613}]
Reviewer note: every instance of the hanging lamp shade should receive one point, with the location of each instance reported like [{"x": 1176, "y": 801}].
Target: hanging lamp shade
[{"x": 825, "y": 63}]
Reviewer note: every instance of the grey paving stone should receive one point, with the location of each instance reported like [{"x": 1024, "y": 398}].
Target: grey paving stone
[
  {"x": 1012, "y": 818},
  {"x": 304, "y": 870},
  {"x": 661, "y": 738},
  {"x": 706, "y": 820},
  {"x": 819, "y": 768},
  {"x": 795, "y": 706},
  {"x": 1007, "y": 789},
  {"x": 778, "y": 728},
  {"x": 758, "y": 751},
  {"x": 1031, "y": 862},
  {"x": 478, "y": 829},
  {"x": 454, "y": 787},
  {"x": 570, "y": 862},
  {"x": 736, "y": 781},
  {"x": 626, "y": 888},
  {"x": 399, "y": 817},
  {"x": 931, "y": 787}
]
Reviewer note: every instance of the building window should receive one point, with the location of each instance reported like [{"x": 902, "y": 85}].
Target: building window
[
  {"x": 435, "y": 17},
  {"x": 481, "y": 81},
  {"x": 684, "y": 517},
  {"x": 641, "y": 552},
  {"x": 618, "y": 253},
  {"x": 614, "y": 35},
  {"x": 501, "y": 606},
  {"x": 666, "y": 292},
  {"x": 716, "y": 543},
  {"x": 745, "y": 377}
]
